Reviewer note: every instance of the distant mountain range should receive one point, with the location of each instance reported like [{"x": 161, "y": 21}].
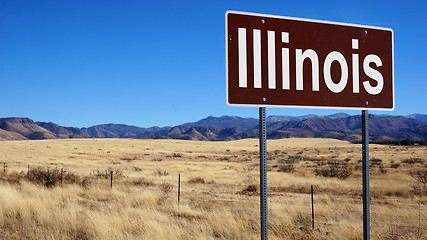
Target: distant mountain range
[{"x": 382, "y": 128}]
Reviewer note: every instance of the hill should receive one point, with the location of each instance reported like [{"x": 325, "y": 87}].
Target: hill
[
  {"x": 227, "y": 122},
  {"x": 421, "y": 117},
  {"x": 382, "y": 128},
  {"x": 23, "y": 128}
]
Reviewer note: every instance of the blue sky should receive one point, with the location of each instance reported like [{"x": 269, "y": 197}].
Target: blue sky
[{"x": 148, "y": 63}]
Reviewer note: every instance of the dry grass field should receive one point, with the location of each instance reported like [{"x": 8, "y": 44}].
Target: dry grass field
[{"x": 219, "y": 189}]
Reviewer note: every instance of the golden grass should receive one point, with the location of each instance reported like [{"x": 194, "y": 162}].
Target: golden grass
[{"x": 143, "y": 201}]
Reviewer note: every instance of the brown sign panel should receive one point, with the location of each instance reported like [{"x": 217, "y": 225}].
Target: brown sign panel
[{"x": 290, "y": 62}]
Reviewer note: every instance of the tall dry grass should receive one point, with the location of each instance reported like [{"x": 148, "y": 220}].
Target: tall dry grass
[{"x": 143, "y": 201}]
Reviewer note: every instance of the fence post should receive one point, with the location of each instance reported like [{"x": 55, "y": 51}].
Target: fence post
[
  {"x": 312, "y": 207},
  {"x": 48, "y": 178},
  {"x": 179, "y": 188},
  {"x": 61, "y": 176},
  {"x": 111, "y": 183},
  {"x": 28, "y": 173},
  {"x": 419, "y": 219},
  {"x": 4, "y": 167}
]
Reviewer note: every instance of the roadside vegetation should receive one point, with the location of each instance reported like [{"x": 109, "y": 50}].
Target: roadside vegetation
[{"x": 61, "y": 189}]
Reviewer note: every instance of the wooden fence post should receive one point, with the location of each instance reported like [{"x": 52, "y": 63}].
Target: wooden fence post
[
  {"x": 111, "y": 183},
  {"x": 179, "y": 188},
  {"x": 312, "y": 207}
]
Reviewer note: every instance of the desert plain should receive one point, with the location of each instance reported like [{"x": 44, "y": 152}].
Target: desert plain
[{"x": 63, "y": 189}]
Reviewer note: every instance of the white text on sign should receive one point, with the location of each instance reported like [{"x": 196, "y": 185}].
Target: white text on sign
[{"x": 299, "y": 58}]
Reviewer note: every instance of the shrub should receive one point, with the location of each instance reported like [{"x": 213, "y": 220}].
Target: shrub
[
  {"x": 251, "y": 188},
  {"x": 394, "y": 165},
  {"x": 375, "y": 161},
  {"x": 419, "y": 175},
  {"x": 160, "y": 173},
  {"x": 106, "y": 173},
  {"x": 382, "y": 170},
  {"x": 142, "y": 181},
  {"x": 413, "y": 161},
  {"x": 334, "y": 168},
  {"x": 129, "y": 158},
  {"x": 12, "y": 177},
  {"x": 42, "y": 177},
  {"x": 294, "y": 158},
  {"x": 165, "y": 189},
  {"x": 70, "y": 178},
  {"x": 287, "y": 168},
  {"x": 116, "y": 172},
  {"x": 100, "y": 173},
  {"x": 49, "y": 177},
  {"x": 419, "y": 190},
  {"x": 196, "y": 180},
  {"x": 137, "y": 169}
]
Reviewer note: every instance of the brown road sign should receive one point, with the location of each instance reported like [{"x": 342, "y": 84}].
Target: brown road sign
[{"x": 275, "y": 61}]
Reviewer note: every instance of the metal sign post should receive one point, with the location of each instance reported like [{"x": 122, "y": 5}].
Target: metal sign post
[
  {"x": 263, "y": 172},
  {"x": 365, "y": 174}
]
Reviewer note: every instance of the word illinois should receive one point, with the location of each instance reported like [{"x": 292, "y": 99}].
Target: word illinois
[{"x": 301, "y": 57}]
